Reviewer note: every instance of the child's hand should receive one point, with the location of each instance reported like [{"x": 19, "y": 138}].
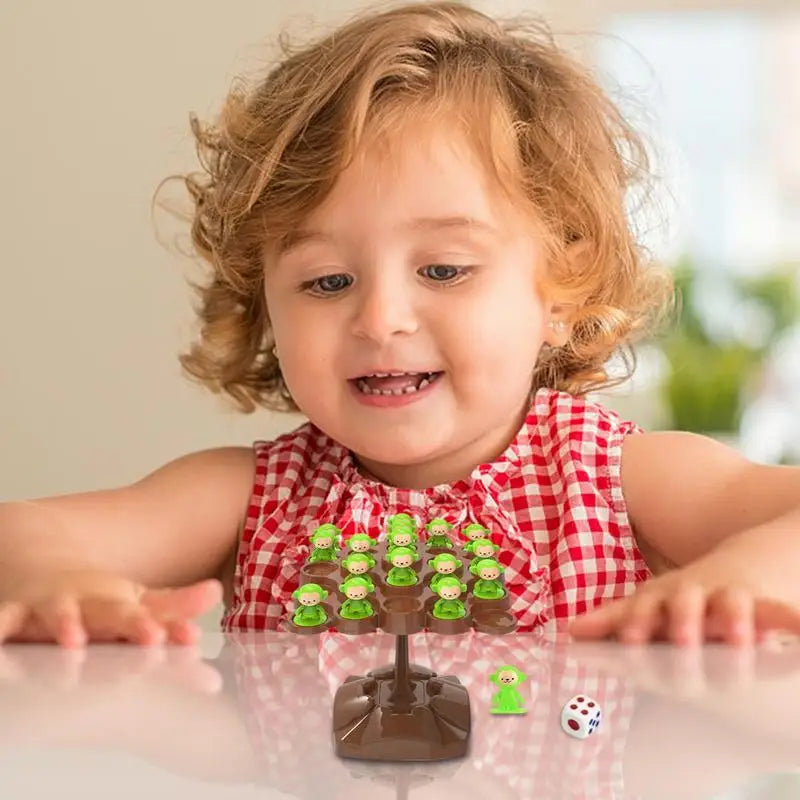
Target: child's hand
[
  {"x": 688, "y": 606},
  {"x": 72, "y": 608}
]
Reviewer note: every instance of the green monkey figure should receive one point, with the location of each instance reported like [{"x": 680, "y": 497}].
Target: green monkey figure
[
  {"x": 474, "y": 531},
  {"x": 402, "y": 537},
  {"x": 401, "y": 573},
  {"x": 397, "y": 521},
  {"x": 445, "y": 564},
  {"x": 448, "y": 606},
  {"x": 323, "y": 543},
  {"x": 437, "y": 530},
  {"x": 488, "y": 585},
  {"x": 508, "y": 700},
  {"x": 310, "y": 611},
  {"x": 482, "y": 548},
  {"x": 356, "y": 606},
  {"x": 358, "y": 563},
  {"x": 361, "y": 543}
]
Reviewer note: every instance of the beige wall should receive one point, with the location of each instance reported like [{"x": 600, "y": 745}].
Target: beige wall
[
  {"x": 95, "y": 99},
  {"x": 93, "y": 310}
]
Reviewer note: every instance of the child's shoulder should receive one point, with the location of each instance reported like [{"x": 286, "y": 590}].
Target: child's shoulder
[{"x": 560, "y": 419}]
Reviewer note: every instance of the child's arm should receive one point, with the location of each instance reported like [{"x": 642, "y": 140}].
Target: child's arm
[
  {"x": 81, "y": 564},
  {"x": 731, "y": 527}
]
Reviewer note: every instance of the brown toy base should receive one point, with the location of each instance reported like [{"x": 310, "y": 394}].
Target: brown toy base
[{"x": 430, "y": 722}]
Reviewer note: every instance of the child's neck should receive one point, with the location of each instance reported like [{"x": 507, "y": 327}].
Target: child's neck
[{"x": 447, "y": 468}]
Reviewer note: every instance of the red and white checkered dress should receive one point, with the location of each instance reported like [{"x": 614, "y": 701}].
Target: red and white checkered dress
[{"x": 552, "y": 501}]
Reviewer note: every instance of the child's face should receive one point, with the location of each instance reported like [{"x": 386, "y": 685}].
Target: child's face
[{"x": 380, "y": 291}]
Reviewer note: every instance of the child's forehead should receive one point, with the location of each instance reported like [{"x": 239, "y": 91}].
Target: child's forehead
[
  {"x": 433, "y": 169},
  {"x": 414, "y": 181}
]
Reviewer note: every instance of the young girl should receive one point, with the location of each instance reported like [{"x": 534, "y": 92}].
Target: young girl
[{"x": 417, "y": 237}]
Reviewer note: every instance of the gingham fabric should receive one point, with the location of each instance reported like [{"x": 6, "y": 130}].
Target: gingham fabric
[
  {"x": 552, "y": 502},
  {"x": 285, "y": 687}
]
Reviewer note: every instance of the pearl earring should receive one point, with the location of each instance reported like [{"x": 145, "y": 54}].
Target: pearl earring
[
  {"x": 559, "y": 326},
  {"x": 274, "y": 350}
]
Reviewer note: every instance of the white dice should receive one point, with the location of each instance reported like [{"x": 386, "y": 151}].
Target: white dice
[{"x": 580, "y": 716}]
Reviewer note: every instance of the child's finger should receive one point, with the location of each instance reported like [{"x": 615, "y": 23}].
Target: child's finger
[
  {"x": 182, "y": 632},
  {"x": 12, "y": 619},
  {"x": 774, "y": 615},
  {"x": 731, "y": 615},
  {"x": 61, "y": 617},
  {"x": 644, "y": 617},
  {"x": 186, "y": 602},
  {"x": 110, "y": 620},
  {"x": 686, "y": 610},
  {"x": 138, "y": 626},
  {"x": 600, "y": 622}
]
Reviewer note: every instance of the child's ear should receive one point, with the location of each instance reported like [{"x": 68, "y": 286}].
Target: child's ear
[
  {"x": 558, "y": 323},
  {"x": 561, "y": 307}
]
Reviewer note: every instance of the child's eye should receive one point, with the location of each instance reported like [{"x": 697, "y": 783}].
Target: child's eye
[
  {"x": 443, "y": 273},
  {"x": 328, "y": 284}
]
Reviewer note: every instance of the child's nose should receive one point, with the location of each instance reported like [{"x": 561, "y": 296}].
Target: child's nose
[{"x": 384, "y": 309}]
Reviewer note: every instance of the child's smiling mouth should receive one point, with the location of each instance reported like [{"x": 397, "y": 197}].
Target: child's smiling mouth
[{"x": 393, "y": 388}]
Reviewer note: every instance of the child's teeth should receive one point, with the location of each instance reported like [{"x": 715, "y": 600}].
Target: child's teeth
[{"x": 364, "y": 387}]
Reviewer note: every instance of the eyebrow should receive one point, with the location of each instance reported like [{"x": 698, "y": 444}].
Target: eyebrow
[{"x": 305, "y": 236}]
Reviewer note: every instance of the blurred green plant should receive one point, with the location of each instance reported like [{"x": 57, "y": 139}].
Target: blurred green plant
[{"x": 710, "y": 376}]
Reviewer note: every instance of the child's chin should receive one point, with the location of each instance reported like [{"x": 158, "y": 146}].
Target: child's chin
[{"x": 397, "y": 451}]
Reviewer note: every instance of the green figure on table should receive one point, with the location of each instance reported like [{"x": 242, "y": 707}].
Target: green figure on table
[
  {"x": 473, "y": 532},
  {"x": 488, "y": 586},
  {"x": 310, "y": 611},
  {"x": 361, "y": 543},
  {"x": 402, "y": 573},
  {"x": 444, "y": 564},
  {"x": 356, "y": 606},
  {"x": 448, "y": 606},
  {"x": 358, "y": 563},
  {"x": 324, "y": 543},
  {"x": 438, "y": 534},
  {"x": 507, "y": 700}
]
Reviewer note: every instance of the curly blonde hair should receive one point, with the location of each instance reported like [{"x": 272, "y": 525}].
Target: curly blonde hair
[{"x": 552, "y": 136}]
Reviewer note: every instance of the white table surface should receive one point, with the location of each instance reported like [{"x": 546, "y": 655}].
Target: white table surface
[{"x": 248, "y": 716}]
